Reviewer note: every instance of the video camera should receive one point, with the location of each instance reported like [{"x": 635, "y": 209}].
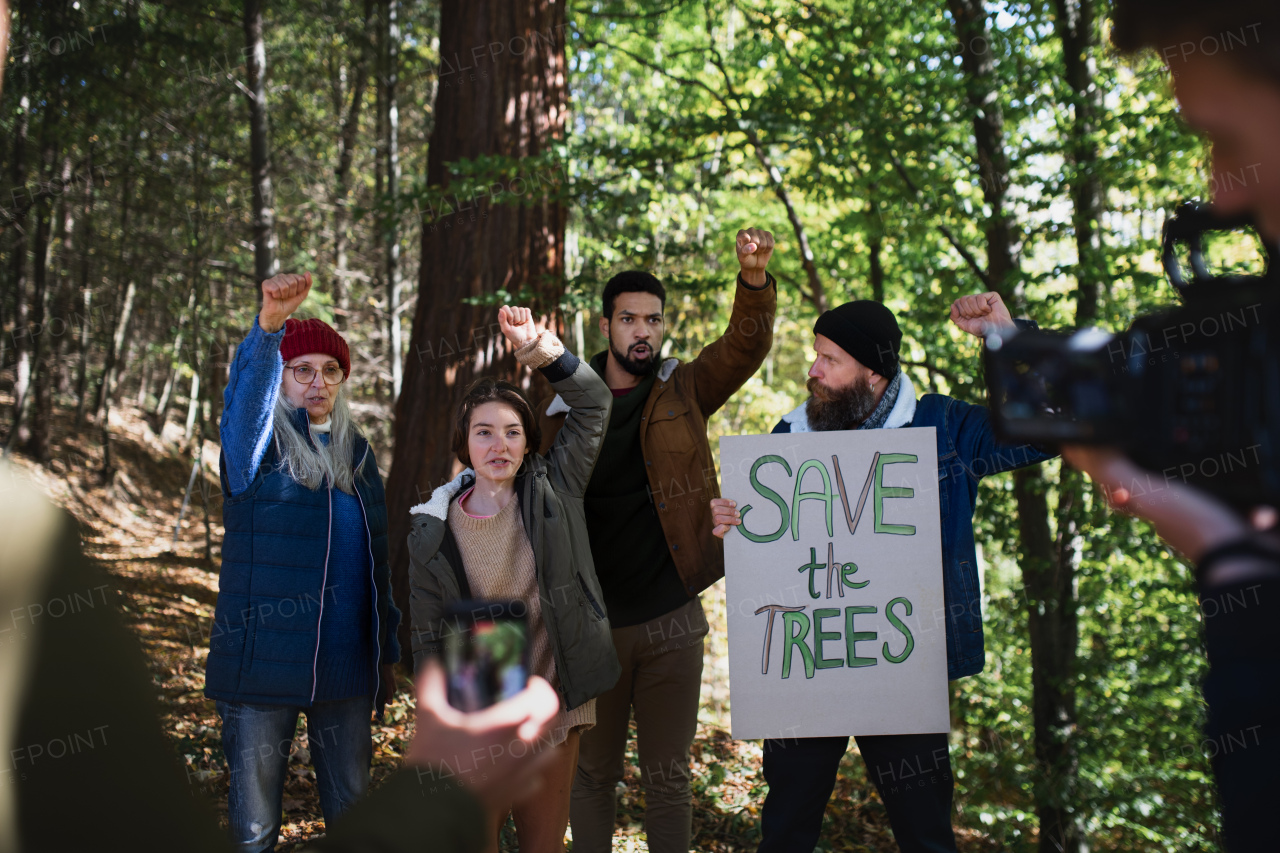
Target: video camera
[{"x": 1191, "y": 392}]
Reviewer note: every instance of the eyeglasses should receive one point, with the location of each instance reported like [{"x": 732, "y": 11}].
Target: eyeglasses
[{"x": 305, "y": 374}]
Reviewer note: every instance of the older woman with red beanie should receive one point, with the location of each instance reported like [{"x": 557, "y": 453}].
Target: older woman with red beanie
[{"x": 304, "y": 620}]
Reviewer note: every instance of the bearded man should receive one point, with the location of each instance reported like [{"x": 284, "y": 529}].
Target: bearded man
[{"x": 856, "y": 383}]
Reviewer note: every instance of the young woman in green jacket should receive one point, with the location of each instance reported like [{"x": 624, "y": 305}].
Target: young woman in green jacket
[{"x": 512, "y": 526}]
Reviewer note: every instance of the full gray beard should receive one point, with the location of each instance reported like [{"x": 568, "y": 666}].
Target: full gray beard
[{"x": 843, "y": 408}]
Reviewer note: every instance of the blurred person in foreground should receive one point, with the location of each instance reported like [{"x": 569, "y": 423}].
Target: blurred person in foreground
[
  {"x": 85, "y": 764},
  {"x": 304, "y": 623},
  {"x": 1224, "y": 59}
]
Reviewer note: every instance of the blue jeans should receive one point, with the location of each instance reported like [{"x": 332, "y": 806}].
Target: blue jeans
[{"x": 257, "y": 740}]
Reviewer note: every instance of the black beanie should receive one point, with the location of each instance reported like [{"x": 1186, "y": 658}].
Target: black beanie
[{"x": 866, "y": 330}]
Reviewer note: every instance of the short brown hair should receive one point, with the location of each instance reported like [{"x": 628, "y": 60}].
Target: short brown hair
[
  {"x": 1246, "y": 32},
  {"x": 489, "y": 390}
]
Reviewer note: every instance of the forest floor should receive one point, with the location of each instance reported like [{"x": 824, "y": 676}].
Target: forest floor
[{"x": 169, "y": 587}]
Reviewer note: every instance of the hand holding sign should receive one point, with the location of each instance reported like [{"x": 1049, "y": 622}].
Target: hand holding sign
[{"x": 724, "y": 515}]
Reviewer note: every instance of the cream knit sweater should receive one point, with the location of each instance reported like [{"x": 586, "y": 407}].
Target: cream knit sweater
[{"x": 498, "y": 560}]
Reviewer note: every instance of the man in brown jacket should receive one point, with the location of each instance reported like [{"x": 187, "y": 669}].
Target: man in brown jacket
[{"x": 649, "y": 522}]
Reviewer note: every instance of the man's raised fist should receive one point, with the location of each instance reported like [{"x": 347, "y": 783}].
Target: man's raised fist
[{"x": 755, "y": 246}]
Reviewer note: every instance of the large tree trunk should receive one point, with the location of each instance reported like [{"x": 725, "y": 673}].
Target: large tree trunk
[
  {"x": 515, "y": 108},
  {"x": 1048, "y": 572},
  {"x": 264, "y": 233}
]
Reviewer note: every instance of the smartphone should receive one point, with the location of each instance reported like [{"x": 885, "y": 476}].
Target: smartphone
[{"x": 486, "y": 652}]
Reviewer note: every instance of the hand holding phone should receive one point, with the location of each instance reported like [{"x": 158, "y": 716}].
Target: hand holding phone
[{"x": 486, "y": 652}]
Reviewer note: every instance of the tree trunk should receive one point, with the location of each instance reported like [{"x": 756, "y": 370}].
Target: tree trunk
[
  {"x": 161, "y": 413},
  {"x": 1048, "y": 572},
  {"x": 1074, "y": 23},
  {"x": 64, "y": 288},
  {"x": 18, "y": 258},
  {"x": 104, "y": 392},
  {"x": 264, "y": 233},
  {"x": 517, "y": 108},
  {"x": 37, "y": 443},
  {"x": 43, "y": 376},
  {"x": 359, "y": 79},
  {"x": 84, "y": 327},
  {"x": 988, "y": 130},
  {"x": 37, "y": 386},
  {"x": 219, "y": 346},
  {"x": 875, "y": 240},
  {"x": 124, "y": 301},
  {"x": 391, "y": 222}
]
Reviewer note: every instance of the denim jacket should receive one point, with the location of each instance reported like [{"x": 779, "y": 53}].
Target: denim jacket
[{"x": 967, "y": 451}]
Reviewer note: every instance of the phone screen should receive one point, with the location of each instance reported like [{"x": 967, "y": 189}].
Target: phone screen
[{"x": 486, "y": 652}]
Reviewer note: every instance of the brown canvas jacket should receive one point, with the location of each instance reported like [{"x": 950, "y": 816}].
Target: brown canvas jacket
[{"x": 673, "y": 431}]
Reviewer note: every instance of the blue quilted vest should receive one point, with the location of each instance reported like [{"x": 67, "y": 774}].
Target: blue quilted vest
[{"x": 266, "y": 627}]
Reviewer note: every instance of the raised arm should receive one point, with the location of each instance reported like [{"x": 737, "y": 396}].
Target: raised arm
[
  {"x": 572, "y": 456},
  {"x": 254, "y": 383},
  {"x": 725, "y": 364},
  {"x": 980, "y": 450}
]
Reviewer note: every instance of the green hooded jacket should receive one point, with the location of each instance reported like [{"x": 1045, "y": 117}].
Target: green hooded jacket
[{"x": 550, "y": 489}]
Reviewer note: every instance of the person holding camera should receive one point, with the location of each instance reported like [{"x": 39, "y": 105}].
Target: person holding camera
[
  {"x": 1224, "y": 59},
  {"x": 304, "y": 621},
  {"x": 512, "y": 527},
  {"x": 856, "y": 382}
]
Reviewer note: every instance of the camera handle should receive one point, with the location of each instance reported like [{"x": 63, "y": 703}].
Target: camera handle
[{"x": 1189, "y": 223}]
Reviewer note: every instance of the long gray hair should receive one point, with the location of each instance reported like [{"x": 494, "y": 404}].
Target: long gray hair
[{"x": 322, "y": 465}]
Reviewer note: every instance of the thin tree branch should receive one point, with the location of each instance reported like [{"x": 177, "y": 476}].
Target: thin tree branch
[
  {"x": 934, "y": 369},
  {"x": 969, "y": 259}
]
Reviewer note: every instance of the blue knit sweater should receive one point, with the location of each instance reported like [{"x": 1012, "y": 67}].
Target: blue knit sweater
[{"x": 346, "y": 628}]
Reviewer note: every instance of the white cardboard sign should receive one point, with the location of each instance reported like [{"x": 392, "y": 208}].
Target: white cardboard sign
[{"x": 834, "y": 584}]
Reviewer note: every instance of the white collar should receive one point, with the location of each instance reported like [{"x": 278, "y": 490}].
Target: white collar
[
  {"x": 438, "y": 506},
  {"x": 902, "y": 413},
  {"x": 327, "y": 426}
]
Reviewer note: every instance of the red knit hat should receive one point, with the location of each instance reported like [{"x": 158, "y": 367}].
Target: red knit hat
[{"x": 307, "y": 336}]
